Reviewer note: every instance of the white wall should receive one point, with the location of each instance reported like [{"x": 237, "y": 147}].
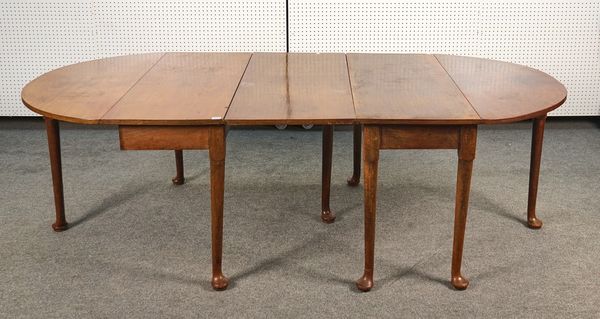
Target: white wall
[
  {"x": 38, "y": 36},
  {"x": 561, "y": 38},
  {"x": 558, "y": 37}
]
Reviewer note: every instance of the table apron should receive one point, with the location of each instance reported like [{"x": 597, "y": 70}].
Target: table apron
[
  {"x": 158, "y": 137},
  {"x": 420, "y": 136}
]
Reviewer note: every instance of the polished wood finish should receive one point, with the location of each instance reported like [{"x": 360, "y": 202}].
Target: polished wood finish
[
  {"x": 466, "y": 155},
  {"x": 179, "y": 179},
  {"x": 216, "y": 152},
  {"x": 464, "y": 138},
  {"x": 504, "y": 92},
  {"x": 371, "y": 143},
  {"x": 53, "y": 131},
  {"x": 534, "y": 171},
  {"x": 327, "y": 216},
  {"x": 157, "y": 89},
  {"x": 294, "y": 89},
  {"x": 419, "y": 137},
  {"x": 82, "y": 93},
  {"x": 134, "y": 137},
  {"x": 197, "y": 88},
  {"x": 405, "y": 89},
  {"x": 211, "y": 137},
  {"x": 440, "y": 91},
  {"x": 182, "y": 88},
  {"x": 354, "y": 180},
  {"x": 178, "y": 101}
]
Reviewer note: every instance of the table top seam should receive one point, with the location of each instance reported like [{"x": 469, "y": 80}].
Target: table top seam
[
  {"x": 237, "y": 87},
  {"x": 132, "y": 86},
  {"x": 350, "y": 84},
  {"x": 458, "y": 87}
]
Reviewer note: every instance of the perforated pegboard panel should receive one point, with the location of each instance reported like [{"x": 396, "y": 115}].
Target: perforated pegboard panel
[
  {"x": 561, "y": 38},
  {"x": 37, "y": 36},
  {"x": 383, "y": 26},
  {"x": 135, "y": 26}
]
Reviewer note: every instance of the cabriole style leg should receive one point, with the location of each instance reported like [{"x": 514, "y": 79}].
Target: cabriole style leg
[
  {"x": 371, "y": 161},
  {"x": 534, "y": 170},
  {"x": 216, "y": 149},
  {"x": 327, "y": 216},
  {"x": 357, "y": 137},
  {"x": 466, "y": 155},
  {"x": 53, "y": 131},
  {"x": 179, "y": 179}
]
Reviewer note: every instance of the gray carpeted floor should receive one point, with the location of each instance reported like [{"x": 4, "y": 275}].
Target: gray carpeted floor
[{"x": 139, "y": 246}]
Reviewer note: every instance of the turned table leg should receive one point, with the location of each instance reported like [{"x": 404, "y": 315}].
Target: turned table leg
[
  {"x": 371, "y": 161},
  {"x": 534, "y": 170},
  {"x": 179, "y": 179},
  {"x": 216, "y": 149},
  {"x": 327, "y": 216},
  {"x": 466, "y": 155},
  {"x": 354, "y": 180},
  {"x": 53, "y": 131}
]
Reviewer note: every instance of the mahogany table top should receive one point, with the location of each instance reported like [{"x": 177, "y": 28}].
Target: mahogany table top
[
  {"x": 280, "y": 88},
  {"x": 295, "y": 88}
]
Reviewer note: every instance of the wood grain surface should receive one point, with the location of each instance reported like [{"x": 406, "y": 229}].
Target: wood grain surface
[
  {"x": 502, "y": 91},
  {"x": 404, "y": 89},
  {"x": 83, "y": 92},
  {"x": 281, "y": 88},
  {"x": 182, "y": 88},
  {"x": 419, "y": 136},
  {"x": 163, "y": 137}
]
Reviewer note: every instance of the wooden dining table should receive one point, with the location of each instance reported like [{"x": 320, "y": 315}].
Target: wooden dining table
[{"x": 186, "y": 101}]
